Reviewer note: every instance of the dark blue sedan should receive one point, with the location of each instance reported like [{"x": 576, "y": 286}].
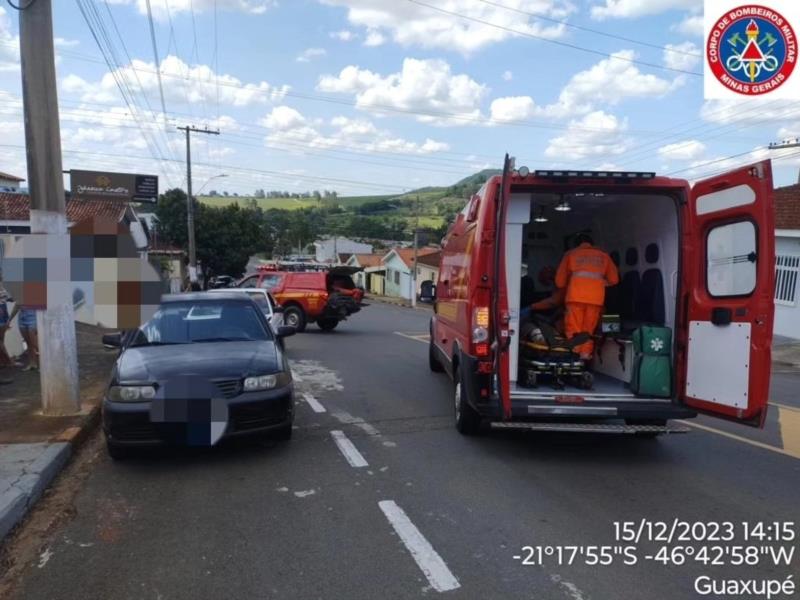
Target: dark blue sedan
[{"x": 205, "y": 367}]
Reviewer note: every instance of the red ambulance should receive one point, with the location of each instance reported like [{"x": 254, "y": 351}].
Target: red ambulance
[{"x": 697, "y": 261}]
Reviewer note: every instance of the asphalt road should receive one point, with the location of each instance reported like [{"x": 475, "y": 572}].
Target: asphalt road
[{"x": 431, "y": 513}]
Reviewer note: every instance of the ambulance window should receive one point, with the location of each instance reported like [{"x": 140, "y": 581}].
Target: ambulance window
[
  {"x": 631, "y": 257},
  {"x": 270, "y": 282},
  {"x": 731, "y": 259},
  {"x": 651, "y": 253}
]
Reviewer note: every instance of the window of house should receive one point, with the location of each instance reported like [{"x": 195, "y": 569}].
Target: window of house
[
  {"x": 787, "y": 271},
  {"x": 731, "y": 259},
  {"x": 397, "y": 277}
]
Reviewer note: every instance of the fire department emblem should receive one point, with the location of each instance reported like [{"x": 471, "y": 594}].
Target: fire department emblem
[{"x": 752, "y": 50}]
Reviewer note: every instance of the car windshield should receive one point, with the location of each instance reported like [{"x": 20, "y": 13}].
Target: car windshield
[{"x": 205, "y": 321}]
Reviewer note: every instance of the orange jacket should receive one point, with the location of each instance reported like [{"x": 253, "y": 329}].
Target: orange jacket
[{"x": 585, "y": 272}]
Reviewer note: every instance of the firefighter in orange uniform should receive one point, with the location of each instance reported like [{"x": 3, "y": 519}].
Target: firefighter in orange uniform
[{"x": 585, "y": 272}]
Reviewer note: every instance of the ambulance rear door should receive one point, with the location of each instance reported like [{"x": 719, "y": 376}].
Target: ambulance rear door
[{"x": 728, "y": 267}]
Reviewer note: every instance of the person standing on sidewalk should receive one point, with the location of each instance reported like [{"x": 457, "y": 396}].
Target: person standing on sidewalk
[
  {"x": 5, "y": 359},
  {"x": 27, "y": 328}
]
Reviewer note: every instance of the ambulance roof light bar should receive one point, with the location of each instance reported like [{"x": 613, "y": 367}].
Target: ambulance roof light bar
[{"x": 595, "y": 174}]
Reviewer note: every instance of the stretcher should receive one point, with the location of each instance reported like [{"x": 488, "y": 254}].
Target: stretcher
[{"x": 545, "y": 356}]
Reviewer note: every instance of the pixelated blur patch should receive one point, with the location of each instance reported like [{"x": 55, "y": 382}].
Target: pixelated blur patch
[
  {"x": 96, "y": 267},
  {"x": 190, "y": 410}
]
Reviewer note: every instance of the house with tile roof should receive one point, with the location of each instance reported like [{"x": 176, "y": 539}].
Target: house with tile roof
[
  {"x": 372, "y": 275},
  {"x": 9, "y": 183},
  {"x": 787, "y": 265},
  {"x": 399, "y": 263}
]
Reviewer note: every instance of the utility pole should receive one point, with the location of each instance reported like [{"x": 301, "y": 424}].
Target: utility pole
[
  {"x": 795, "y": 143},
  {"x": 189, "y": 203},
  {"x": 58, "y": 353},
  {"x": 416, "y": 250}
]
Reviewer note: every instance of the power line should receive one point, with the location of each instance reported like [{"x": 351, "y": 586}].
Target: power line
[
  {"x": 589, "y": 29},
  {"x": 555, "y": 42},
  {"x": 157, "y": 61}
]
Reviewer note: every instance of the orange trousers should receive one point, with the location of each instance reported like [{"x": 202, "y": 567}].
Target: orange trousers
[{"x": 581, "y": 318}]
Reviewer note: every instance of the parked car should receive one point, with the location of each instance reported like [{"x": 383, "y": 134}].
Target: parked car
[
  {"x": 205, "y": 367},
  {"x": 273, "y": 311},
  {"x": 221, "y": 281},
  {"x": 308, "y": 296}
]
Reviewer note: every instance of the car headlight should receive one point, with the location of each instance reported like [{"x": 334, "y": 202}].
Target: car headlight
[
  {"x": 131, "y": 393},
  {"x": 266, "y": 382}
]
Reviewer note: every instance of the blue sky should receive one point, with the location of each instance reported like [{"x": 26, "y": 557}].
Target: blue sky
[{"x": 378, "y": 96}]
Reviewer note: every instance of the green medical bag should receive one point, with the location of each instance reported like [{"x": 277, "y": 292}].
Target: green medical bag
[{"x": 652, "y": 364}]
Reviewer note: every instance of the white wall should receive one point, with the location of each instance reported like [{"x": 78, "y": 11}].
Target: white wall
[
  {"x": 326, "y": 250},
  {"x": 787, "y": 318}
]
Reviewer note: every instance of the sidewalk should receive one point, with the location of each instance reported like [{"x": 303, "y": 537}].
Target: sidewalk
[
  {"x": 34, "y": 448},
  {"x": 397, "y": 302}
]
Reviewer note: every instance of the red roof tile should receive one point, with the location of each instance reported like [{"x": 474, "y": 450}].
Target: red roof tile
[
  {"x": 368, "y": 260},
  {"x": 407, "y": 254},
  {"x": 16, "y": 207},
  {"x": 787, "y": 207},
  {"x": 431, "y": 260}
]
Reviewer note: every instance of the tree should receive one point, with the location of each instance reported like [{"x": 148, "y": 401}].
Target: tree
[
  {"x": 171, "y": 214},
  {"x": 260, "y": 194}
]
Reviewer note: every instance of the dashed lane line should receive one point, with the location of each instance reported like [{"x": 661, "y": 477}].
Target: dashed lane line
[
  {"x": 315, "y": 404},
  {"x": 417, "y": 337},
  {"x": 349, "y": 450},
  {"x": 428, "y": 560}
]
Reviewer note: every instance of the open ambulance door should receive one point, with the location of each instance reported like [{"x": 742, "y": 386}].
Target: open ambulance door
[{"x": 727, "y": 303}]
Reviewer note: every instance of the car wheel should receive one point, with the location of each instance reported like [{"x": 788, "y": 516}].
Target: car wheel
[
  {"x": 468, "y": 421},
  {"x": 327, "y": 324},
  {"x": 293, "y": 316},
  {"x": 433, "y": 362},
  {"x": 117, "y": 452}
]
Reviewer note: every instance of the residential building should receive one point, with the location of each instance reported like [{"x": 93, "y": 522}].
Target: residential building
[
  {"x": 171, "y": 264},
  {"x": 398, "y": 263},
  {"x": 787, "y": 266},
  {"x": 328, "y": 250},
  {"x": 372, "y": 277},
  {"x": 428, "y": 268},
  {"x": 9, "y": 183}
]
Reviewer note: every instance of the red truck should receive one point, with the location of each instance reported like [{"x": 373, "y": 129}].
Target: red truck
[
  {"x": 324, "y": 297},
  {"x": 697, "y": 261}
]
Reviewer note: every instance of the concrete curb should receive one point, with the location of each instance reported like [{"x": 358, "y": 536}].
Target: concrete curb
[{"x": 26, "y": 470}]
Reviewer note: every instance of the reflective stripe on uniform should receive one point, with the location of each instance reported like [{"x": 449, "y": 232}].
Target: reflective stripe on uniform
[{"x": 588, "y": 275}]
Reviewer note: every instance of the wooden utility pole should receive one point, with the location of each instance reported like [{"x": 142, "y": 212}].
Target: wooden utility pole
[
  {"x": 795, "y": 143},
  {"x": 58, "y": 354},
  {"x": 189, "y": 203}
]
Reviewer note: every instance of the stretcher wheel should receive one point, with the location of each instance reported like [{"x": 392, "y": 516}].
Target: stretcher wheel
[
  {"x": 531, "y": 379},
  {"x": 586, "y": 380}
]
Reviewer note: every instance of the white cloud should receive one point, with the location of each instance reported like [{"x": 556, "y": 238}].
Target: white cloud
[
  {"x": 375, "y": 38},
  {"x": 508, "y": 75},
  {"x": 344, "y": 35},
  {"x": 682, "y": 56},
  {"x": 182, "y": 83},
  {"x": 749, "y": 111},
  {"x": 9, "y": 44},
  {"x": 631, "y": 9},
  {"x": 411, "y": 24},
  {"x": 421, "y": 85},
  {"x": 686, "y": 150},
  {"x": 608, "y": 82},
  {"x": 597, "y": 134},
  {"x": 309, "y": 54},
  {"x": 289, "y": 127},
  {"x": 690, "y": 25},
  {"x": 163, "y": 8}
]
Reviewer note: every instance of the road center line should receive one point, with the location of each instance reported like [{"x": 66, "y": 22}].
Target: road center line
[
  {"x": 739, "y": 438},
  {"x": 347, "y": 448},
  {"x": 313, "y": 403},
  {"x": 421, "y": 337},
  {"x": 432, "y": 565}
]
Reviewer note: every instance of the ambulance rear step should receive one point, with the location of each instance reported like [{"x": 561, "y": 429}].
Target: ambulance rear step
[{"x": 592, "y": 427}]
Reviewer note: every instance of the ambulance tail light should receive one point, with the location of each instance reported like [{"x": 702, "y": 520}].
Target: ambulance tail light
[{"x": 480, "y": 330}]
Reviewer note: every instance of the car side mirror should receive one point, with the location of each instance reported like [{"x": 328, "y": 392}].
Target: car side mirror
[
  {"x": 112, "y": 340},
  {"x": 286, "y": 331},
  {"x": 278, "y": 309}
]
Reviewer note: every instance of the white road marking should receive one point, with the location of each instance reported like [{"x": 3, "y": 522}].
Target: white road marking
[
  {"x": 304, "y": 493},
  {"x": 432, "y": 565},
  {"x": 570, "y": 588},
  {"x": 314, "y": 403},
  {"x": 421, "y": 337},
  {"x": 44, "y": 558},
  {"x": 347, "y": 448},
  {"x": 367, "y": 428}
]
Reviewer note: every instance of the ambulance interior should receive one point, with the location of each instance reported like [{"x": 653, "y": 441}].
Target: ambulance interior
[{"x": 639, "y": 232}]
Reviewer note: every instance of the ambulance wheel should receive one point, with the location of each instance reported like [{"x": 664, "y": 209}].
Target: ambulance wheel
[
  {"x": 531, "y": 379},
  {"x": 293, "y": 316},
  {"x": 433, "y": 362},
  {"x": 586, "y": 381},
  {"x": 327, "y": 324},
  {"x": 468, "y": 422}
]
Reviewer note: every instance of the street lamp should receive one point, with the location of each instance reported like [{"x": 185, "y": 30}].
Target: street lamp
[{"x": 209, "y": 180}]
